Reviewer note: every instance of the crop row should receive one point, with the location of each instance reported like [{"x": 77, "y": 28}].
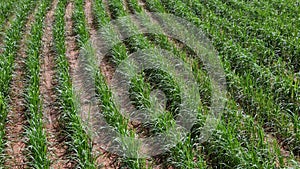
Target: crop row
[
  {"x": 284, "y": 31},
  {"x": 267, "y": 11},
  {"x": 287, "y": 93},
  {"x": 285, "y": 89},
  {"x": 261, "y": 100},
  {"x": 35, "y": 132},
  {"x": 108, "y": 109},
  {"x": 119, "y": 53},
  {"x": 237, "y": 128},
  {"x": 181, "y": 154},
  {"x": 76, "y": 138},
  {"x": 12, "y": 37}
]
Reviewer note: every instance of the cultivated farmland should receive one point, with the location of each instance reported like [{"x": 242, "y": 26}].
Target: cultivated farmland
[{"x": 62, "y": 61}]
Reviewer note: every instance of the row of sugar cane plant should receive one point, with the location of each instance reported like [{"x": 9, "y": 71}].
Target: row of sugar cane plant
[
  {"x": 284, "y": 86},
  {"x": 118, "y": 53},
  {"x": 107, "y": 106},
  {"x": 159, "y": 8},
  {"x": 11, "y": 41},
  {"x": 240, "y": 64},
  {"x": 35, "y": 133},
  {"x": 77, "y": 140},
  {"x": 109, "y": 109},
  {"x": 244, "y": 130},
  {"x": 263, "y": 94},
  {"x": 238, "y": 31},
  {"x": 254, "y": 95}
]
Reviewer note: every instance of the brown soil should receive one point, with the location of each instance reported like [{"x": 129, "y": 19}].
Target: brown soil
[
  {"x": 107, "y": 69},
  {"x": 142, "y": 4},
  {"x": 16, "y": 116},
  {"x": 56, "y": 148}
]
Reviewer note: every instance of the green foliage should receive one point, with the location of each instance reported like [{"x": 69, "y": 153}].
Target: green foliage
[
  {"x": 78, "y": 140},
  {"x": 6, "y": 11},
  {"x": 257, "y": 41},
  {"x": 37, "y": 142},
  {"x": 11, "y": 40}
]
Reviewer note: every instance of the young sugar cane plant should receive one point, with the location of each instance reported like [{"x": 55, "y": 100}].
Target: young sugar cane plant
[
  {"x": 78, "y": 140},
  {"x": 11, "y": 40},
  {"x": 110, "y": 112},
  {"x": 118, "y": 53},
  {"x": 280, "y": 35},
  {"x": 35, "y": 133},
  {"x": 231, "y": 163},
  {"x": 238, "y": 31},
  {"x": 140, "y": 89}
]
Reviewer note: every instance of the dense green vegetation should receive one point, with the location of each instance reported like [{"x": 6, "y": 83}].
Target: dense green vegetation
[{"x": 257, "y": 42}]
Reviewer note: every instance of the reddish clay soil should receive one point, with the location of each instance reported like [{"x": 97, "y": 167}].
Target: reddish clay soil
[
  {"x": 56, "y": 148},
  {"x": 16, "y": 117}
]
